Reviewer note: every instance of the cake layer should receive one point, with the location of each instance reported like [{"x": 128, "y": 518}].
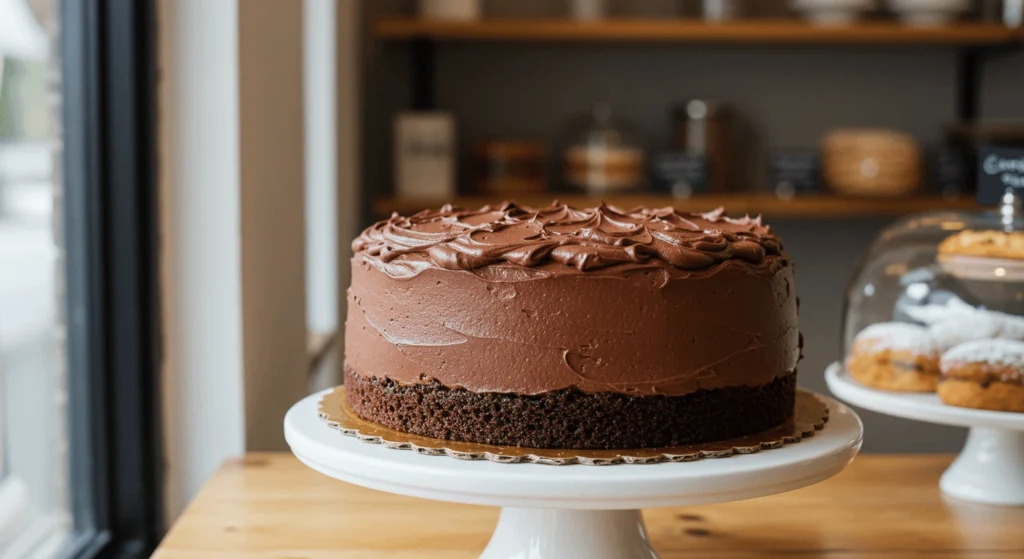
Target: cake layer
[
  {"x": 634, "y": 332},
  {"x": 519, "y": 301},
  {"x": 569, "y": 418}
]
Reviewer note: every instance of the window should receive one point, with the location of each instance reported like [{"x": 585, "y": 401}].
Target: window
[
  {"x": 34, "y": 501},
  {"x": 79, "y": 440}
]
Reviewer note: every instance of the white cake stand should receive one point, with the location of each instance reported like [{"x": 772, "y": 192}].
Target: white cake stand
[
  {"x": 572, "y": 511},
  {"x": 990, "y": 468}
]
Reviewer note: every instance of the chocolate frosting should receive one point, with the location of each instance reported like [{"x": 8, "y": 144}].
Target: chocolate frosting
[
  {"x": 515, "y": 300},
  {"x": 585, "y": 239}
]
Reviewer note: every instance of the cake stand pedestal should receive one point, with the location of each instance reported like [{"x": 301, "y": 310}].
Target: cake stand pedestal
[
  {"x": 990, "y": 468},
  {"x": 574, "y": 511}
]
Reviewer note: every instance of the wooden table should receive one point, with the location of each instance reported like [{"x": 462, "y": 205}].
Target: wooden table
[{"x": 271, "y": 506}]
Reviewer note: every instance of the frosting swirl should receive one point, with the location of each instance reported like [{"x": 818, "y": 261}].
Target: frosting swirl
[{"x": 584, "y": 239}]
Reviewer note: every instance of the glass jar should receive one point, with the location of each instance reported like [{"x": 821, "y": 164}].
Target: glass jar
[
  {"x": 604, "y": 154},
  {"x": 510, "y": 167}
]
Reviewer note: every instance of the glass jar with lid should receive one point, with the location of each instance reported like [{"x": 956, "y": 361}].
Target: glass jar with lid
[{"x": 604, "y": 154}]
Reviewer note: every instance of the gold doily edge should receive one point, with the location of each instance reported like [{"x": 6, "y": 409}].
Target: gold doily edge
[{"x": 811, "y": 415}]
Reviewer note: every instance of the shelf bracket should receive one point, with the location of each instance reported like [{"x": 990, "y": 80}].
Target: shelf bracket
[
  {"x": 969, "y": 74},
  {"x": 423, "y": 80}
]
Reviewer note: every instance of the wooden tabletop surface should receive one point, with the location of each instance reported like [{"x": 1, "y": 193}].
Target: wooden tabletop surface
[{"x": 271, "y": 506}]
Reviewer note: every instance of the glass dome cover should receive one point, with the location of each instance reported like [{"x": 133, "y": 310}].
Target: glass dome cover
[{"x": 944, "y": 268}]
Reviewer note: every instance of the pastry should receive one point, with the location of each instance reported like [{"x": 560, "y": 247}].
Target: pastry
[
  {"x": 984, "y": 374},
  {"x": 895, "y": 356},
  {"x": 988, "y": 244},
  {"x": 589, "y": 328},
  {"x": 977, "y": 325}
]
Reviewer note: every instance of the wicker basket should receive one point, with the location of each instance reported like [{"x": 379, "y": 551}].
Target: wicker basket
[{"x": 871, "y": 162}]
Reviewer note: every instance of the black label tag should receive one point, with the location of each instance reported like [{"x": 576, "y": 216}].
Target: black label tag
[
  {"x": 680, "y": 173},
  {"x": 999, "y": 168},
  {"x": 794, "y": 171}
]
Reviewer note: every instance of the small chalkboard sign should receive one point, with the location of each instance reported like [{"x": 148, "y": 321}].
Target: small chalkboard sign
[
  {"x": 999, "y": 168},
  {"x": 794, "y": 171},
  {"x": 683, "y": 174}
]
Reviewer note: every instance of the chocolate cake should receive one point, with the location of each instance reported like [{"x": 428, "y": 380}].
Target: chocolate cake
[{"x": 590, "y": 328}]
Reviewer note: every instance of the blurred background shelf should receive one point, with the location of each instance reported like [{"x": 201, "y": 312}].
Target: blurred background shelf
[
  {"x": 810, "y": 207},
  {"x": 783, "y": 31}
]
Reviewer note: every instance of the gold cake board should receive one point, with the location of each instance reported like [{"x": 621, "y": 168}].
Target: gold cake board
[{"x": 810, "y": 415}]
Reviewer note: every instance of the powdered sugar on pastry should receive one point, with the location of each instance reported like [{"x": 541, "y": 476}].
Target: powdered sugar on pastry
[
  {"x": 936, "y": 312},
  {"x": 1000, "y": 353},
  {"x": 1012, "y": 327},
  {"x": 898, "y": 336},
  {"x": 978, "y": 325},
  {"x": 974, "y": 326}
]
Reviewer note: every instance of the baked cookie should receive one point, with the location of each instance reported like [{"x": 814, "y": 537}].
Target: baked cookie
[
  {"x": 989, "y": 244},
  {"x": 977, "y": 325},
  {"x": 984, "y": 374},
  {"x": 895, "y": 356}
]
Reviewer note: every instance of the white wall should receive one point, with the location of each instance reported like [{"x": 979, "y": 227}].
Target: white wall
[
  {"x": 200, "y": 237},
  {"x": 321, "y": 167},
  {"x": 272, "y": 164},
  {"x": 232, "y": 230},
  {"x": 349, "y": 85}
]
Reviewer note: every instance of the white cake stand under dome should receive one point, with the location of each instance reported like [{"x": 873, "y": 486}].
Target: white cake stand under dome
[
  {"x": 574, "y": 511},
  {"x": 990, "y": 468}
]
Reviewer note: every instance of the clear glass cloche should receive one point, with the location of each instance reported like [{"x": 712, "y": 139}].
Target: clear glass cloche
[{"x": 947, "y": 267}]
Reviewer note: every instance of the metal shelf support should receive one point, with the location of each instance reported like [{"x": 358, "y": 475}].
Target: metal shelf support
[{"x": 423, "y": 79}]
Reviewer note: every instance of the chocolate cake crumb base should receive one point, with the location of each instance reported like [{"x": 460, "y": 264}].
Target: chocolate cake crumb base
[{"x": 570, "y": 418}]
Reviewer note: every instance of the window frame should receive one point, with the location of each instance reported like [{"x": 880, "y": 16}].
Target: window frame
[{"x": 108, "y": 85}]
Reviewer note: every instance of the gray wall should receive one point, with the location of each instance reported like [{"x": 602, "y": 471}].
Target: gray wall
[{"x": 789, "y": 96}]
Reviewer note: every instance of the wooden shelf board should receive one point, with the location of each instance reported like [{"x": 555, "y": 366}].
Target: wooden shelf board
[
  {"x": 821, "y": 206},
  {"x": 782, "y": 31}
]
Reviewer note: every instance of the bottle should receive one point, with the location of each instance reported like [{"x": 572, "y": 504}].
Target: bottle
[
  {"x": 1013, "y": 12},
  {"x": 703, "y": 127}
]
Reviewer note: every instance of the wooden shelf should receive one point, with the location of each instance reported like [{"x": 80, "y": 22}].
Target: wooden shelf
[
  {"x": 823, "y": 206},
  {"x": 782, "y": 31}
]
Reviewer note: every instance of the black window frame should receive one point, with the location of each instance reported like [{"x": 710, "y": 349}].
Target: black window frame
[{"x": 108, "y": 89}]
